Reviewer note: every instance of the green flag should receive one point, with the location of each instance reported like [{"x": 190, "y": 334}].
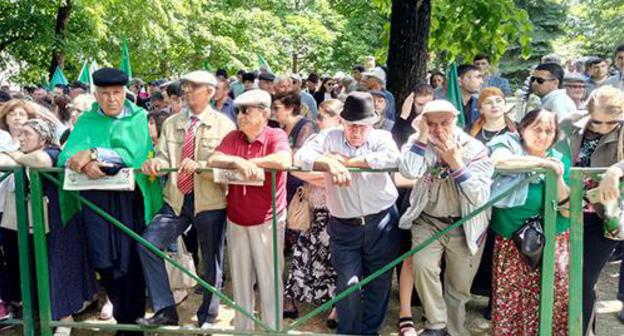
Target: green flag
[
  {"x": 125, "y": 59},
  {"x": 262, "y": 63},
  {"x": 58, "y": 78},
  {"x": 85, "y": 75},
  {"x": 453, "y": 93}
]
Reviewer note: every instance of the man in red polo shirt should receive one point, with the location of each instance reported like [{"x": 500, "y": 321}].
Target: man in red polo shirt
[{"x": 249, "y": 210}]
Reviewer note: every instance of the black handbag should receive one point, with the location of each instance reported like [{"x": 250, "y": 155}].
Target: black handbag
[{"x": 530, "y": 241}]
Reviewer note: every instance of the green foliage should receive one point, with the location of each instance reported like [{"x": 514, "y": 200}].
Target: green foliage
[
  {"x": 548, "y": 19},
  {"x": 169, "y": 37},
  {"x": 466, "y": 28},
  {"x": 595, "y": 26}
]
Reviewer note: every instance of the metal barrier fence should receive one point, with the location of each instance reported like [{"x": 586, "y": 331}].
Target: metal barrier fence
[
  {"x": 547, "y": 280},
  {"x": 27, "y": 321}
]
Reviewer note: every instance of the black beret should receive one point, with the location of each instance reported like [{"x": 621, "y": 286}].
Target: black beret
[
  {"x": 249, "y": 76},
  {"x": 110, "y": 77},
  {"x": 267, "y": 76}
]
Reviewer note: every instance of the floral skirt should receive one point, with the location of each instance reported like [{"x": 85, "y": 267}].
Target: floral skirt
[
  {"x": 312, "y": 278},
  {"x": 516, "y": 290}
]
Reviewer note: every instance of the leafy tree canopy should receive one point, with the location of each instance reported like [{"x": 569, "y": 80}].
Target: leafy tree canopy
[{"x": 169, "y": 37}]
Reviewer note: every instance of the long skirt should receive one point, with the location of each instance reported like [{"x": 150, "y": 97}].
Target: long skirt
[
  {"x": 516, "y": 290},
  {"x": 312, "y": 278}
]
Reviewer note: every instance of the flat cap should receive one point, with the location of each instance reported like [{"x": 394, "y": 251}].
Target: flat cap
[
  {"x": 110, "y": 77},
  {"x": 573, "y": 77},
  {"x": 439, "y": 106},
  {"x": 266, "y": 76},
  {"x": 253, "y": 97},
  {"x": 376, "y": 72},
  {"x": 200, "y": 77}
]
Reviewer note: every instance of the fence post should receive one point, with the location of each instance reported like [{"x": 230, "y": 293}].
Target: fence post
[
  {"x": 24, "y": 251},
  {"x": 548, "y": 260},
  {"x": 41, "y": 253},
  {"x": 276, "y": 272},
  {"x": 575, "y": 308}
]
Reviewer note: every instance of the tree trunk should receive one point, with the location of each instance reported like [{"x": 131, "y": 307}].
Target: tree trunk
[
  {"x": 407, "y": 52},
  {"x": 60, "y": 30}
]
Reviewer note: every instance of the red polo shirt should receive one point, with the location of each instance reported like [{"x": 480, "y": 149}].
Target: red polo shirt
[{"x": 249, "y": 205}]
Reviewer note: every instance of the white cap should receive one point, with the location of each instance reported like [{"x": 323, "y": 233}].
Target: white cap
[
  {"x": 376, "y": 72},
  {"x": 439, "y": 106},
  {"x": 200, "y": 77},
  {"x": 254, "y": 97}
]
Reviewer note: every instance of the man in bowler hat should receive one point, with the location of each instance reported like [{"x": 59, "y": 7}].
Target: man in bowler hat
[{"x": 363, "y": 224}]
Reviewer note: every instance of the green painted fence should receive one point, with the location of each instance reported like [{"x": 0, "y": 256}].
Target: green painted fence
[{"x": 46, "y": 323}]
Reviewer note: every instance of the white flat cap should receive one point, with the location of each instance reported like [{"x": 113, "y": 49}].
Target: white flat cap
[
  {"x": 376, "y": 72},
  {"x": 200, "y": 77},
  {"x": 254, "y": 97},
  {"x": 439, "y": 106}
]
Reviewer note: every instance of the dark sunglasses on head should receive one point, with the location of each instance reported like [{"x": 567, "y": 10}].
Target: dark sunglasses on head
[
  {"x": 610, "y": 123},
  {"x": 540, "y": 80}
]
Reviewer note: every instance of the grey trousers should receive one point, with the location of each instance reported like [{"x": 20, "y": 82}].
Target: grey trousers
[
  {"x": 250, "y": 253},
  {"x": 446, "y": 309}
]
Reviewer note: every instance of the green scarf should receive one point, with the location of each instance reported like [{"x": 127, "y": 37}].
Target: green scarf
[{"x": 128, "y": 136}]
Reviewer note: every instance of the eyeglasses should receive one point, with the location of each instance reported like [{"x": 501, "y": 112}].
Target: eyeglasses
[
  {"x": 578, "y": 86},
  {"x": 609, "y": 123},
  {"x": 540, "y": 80}
]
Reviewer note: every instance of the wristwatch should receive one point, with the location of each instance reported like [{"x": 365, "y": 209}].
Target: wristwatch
[{"x": 94, "y": 154}]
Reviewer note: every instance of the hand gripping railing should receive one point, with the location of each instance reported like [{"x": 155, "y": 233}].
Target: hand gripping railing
[
  {"x": 546, "y": 302},
  {"x": 27, "y": 321}
]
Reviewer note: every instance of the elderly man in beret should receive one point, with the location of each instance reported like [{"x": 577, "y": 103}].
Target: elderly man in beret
[
  {"x": 453, "y": 176},
  {"x": 112, "y": 135},
  {"x": 363, "y": 224},
  {"x": 187, "y": 140},
  {"x": 249, "y": 208}
]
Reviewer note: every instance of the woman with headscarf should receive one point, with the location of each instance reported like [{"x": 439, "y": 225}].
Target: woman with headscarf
[{"x": 72, "y": 280}]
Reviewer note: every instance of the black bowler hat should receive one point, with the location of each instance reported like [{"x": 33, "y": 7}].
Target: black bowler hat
[
  {"x": 358, "y": 109},
  {"x": 110, "y": 77}
]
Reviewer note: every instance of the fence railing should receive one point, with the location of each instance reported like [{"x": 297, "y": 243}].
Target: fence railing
[
  {"x": 547, "y": 276},
  {"x": 24, "y": 251}
]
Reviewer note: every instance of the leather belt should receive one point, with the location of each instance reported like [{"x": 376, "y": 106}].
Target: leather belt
[{"x": 359, "y": 221}]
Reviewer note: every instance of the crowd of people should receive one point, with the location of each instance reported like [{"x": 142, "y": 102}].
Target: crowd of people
[{"x": 353, "y": 223}]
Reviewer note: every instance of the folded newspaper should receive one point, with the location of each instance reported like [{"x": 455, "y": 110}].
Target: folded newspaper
[
  {"x": 123, "y": 180},
  {"x": 226, "y": 176}
]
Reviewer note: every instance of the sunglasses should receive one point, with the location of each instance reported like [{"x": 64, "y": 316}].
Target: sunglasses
[
  {"x": 242, "y": 109},
  {"x": 610, "y": 123},
  {"x": 540, "y": 80}
]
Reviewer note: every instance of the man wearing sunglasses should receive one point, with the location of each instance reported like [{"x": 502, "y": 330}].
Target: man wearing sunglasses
[
  {"x": 249, "y": 208},
  {"x": 547, "y": 83}
]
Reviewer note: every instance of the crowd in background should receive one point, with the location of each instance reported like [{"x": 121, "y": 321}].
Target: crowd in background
[{"x": 335, "y": 226}]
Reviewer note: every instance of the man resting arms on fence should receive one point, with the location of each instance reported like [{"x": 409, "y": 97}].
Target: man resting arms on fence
[
  {"x": 249, "y": 208},
  {"x": 186, "y": 142},
  {"x": 363, "y": 223},
  {"x": 454, "y": 175}
]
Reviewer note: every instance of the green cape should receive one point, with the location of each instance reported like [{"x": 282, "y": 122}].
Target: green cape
[{"x": 128, "y": 136}]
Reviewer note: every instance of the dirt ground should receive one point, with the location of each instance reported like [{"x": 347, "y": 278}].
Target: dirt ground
[{"x": 608, "y": 306}]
